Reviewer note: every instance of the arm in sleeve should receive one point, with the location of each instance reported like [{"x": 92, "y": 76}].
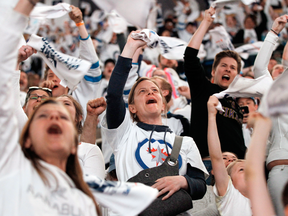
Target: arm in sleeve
[
  {"x": 264, "y": 55},
  {"x": 194, "y": 71},
  {"x": 115, "y": 104},
  {"x": 87, "y": 89},
  {"x": 10, "y": 33},
  {"x": 196, "y": 182}
]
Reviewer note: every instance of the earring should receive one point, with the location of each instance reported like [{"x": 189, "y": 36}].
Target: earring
[{"x": 135, "y": 116}]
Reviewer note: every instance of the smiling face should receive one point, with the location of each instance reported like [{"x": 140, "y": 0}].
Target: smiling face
[
  {"x": 57, "y": 89},
  {"x": 49, "y": 132},
  {"x": 225, "y": 72},
  {"x": 147, "y": 102}
]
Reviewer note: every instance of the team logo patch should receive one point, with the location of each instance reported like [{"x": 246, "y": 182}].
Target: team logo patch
[{"x": 156, "y": 157}]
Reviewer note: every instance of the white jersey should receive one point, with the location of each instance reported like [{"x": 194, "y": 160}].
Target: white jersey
[
  {"x": 130, "y": 143},
  {"x": 91, "y": 159},
  {"x": 233, "y": 202},
  {"x": 23, "y": 192}
]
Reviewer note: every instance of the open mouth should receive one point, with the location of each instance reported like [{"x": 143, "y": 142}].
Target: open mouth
[
  {"x": 56, "y": 86},
  {"x": 151, "y": 101},
  {"x": 226, "y": 77},
  {"x": 54, "y": 129}
]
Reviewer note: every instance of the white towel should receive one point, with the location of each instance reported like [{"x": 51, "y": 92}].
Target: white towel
[
  {"x": 42, "y": 11},
  {"x": 69, "y": 69},
  {"x": 172, "y": 48},
  {"x": 147, "y": 35},
  {"x": 125, "y": 198},
  {"x": 243, "y": 87},
  {"x": 275, "y": 100},
  {"x": 221, "y": 38},
  {"x": 134, "y": 12}
]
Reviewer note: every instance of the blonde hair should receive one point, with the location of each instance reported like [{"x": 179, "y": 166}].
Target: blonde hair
[{"x": 231, "y": 165}]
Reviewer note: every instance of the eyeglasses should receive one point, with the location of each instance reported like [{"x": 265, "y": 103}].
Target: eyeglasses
[
  {"x": 35, "y": 97},
  {"x": 33, "y": 88}
]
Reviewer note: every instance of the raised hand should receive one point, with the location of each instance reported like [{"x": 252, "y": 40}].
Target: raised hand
[
  {"x": 48, "y": 84},
  {"x": 25, "y": 52},
  {"x": 184, "y": 91},
  {"x": 96, "y": 106},
  {"x": 211, "y": 105},
  {"x": 279, "y": 24},
  {"x": 76, "y": 14},
  {"x": 208, "y": 14}
]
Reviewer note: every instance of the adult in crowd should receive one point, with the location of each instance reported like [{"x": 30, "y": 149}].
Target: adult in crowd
[
  {"x": 45, "y": 163},
  {"x": 226, "y": 66},
  {"x": 137, "y": 141}
]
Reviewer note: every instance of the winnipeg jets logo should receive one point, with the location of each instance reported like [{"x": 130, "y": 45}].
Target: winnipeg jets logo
[{"x": 158, "y": 153}]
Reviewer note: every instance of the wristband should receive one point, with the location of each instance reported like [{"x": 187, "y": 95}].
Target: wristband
[
  {"x": 274, "y": 31},
  {"x": 80, "y": 24}
]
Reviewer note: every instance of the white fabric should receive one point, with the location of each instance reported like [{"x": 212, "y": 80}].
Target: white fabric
[
  {"x": 69, "y": 69},
  {"x": 233, "y": 202},
  {"x": 243, "y": 87},
  {"x": 135, "y": 12},
  {"x": 174, "y": 124},
  {"x": 118, "y": 23},
  {"x": 22, "y": 190},
  {"x": 247, "y": 133},
  {"x": 123, "y": 197},
  {"x": 42, "y": 11},
  {"x": 277, "y": 179},
  {"x": 91, "y": 159},
  {"x": 186, "y": 112},
  {"x": 33, "y": 26},
  {"x": 250, "y": 33},
  {"x": 130, "y": 143},
  {"x": 252, "y": 48},
  {"x": 221, "y": 38},
  {"x": 147, "y": 35},
  {"x": 276, "y": 100},
  {"x": 222, "y": 3},
  {"x": 172, "y": 48}
]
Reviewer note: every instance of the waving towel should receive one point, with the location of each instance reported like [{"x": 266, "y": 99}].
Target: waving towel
[
  {"x": 69, "y": 69},
  {"x": 244, "y": 87}
]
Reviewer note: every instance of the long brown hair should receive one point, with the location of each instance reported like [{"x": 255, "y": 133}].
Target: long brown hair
[
  {"x": 131, "y": 95},
  {"x": 73, "y": 168}
]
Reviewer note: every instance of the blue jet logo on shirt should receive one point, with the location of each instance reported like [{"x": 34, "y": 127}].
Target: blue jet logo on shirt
[{"x": 158, "y": 155}]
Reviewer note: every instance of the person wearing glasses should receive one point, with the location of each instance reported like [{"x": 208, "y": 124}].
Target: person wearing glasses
[{"x": 34, "y": 97}]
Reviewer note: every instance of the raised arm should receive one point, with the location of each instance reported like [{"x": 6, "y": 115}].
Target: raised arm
[
  {"x": 198, "y": 36},
  {"x": 13, "y": 24},
  {"x": 264, "y": 55},
  {"x": 219, "y": 169},
  {"x": 254, "y": 171},
  {"x": 87, "y": 89},
  {"x": 115, "y": 104},
  {"x": 94, "y": 108}
]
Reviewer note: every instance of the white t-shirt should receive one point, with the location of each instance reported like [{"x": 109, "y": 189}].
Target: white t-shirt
[
  {"x": 130, "y": 143},
  {"x": 233, "y": 203},
  {"x": 91, "y": 159}
]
